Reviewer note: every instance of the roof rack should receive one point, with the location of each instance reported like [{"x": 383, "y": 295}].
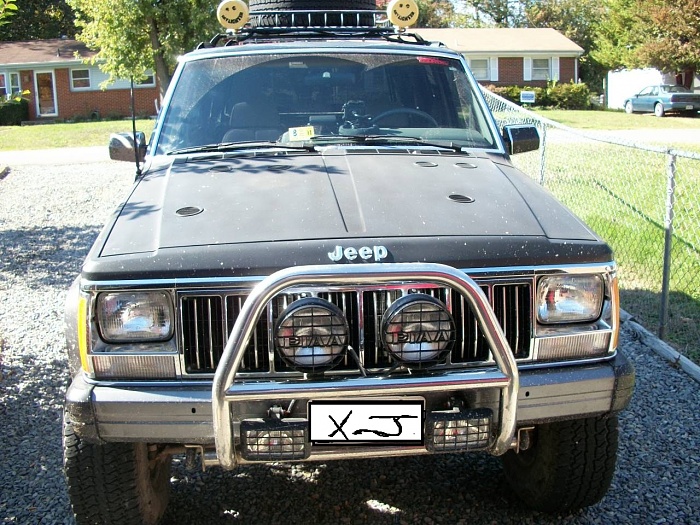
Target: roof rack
[{"x": 275, "y": 25}]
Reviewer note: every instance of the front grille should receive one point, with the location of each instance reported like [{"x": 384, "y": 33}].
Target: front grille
[{"x": 206, "y": 319}]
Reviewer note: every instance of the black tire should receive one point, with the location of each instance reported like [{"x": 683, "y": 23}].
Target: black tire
[
  {"x": 113, "y": 483},
  {"x": 569, "y": 466},
  {"x": 311, "y": 5}
]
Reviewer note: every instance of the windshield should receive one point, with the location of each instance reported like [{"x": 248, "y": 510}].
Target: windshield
[{"x": 257, "y": 98}]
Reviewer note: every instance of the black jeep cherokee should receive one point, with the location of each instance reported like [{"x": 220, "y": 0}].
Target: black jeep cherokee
[{"x": 328, "y": 254}]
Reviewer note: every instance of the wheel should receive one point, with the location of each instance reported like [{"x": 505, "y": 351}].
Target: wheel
[
  {"x": 569, "y": 465},
  {"x": 114, "y": 483},
  {"x": 628, "y": 107},
  {"x": 406, "y": 111},
  {"x": 659, "y": 109},
  {"x": 311, "y": 5}
]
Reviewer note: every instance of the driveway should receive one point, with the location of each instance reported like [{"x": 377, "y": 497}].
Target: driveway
[{"x": 52, "y": 157}]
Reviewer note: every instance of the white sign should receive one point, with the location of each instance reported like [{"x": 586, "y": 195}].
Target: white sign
[{"x": 527, "y": 97}]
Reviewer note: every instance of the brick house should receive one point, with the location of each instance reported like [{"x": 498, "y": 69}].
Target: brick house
[
  {"x": 62, "y": 86},
  {"x": 504, "y": 56}
]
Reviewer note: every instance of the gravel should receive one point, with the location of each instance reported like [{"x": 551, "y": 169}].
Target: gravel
[{"x": 48, "y": 219}]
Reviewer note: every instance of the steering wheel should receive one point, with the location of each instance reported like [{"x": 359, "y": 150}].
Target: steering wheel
[{"x": 407, "y": 111}]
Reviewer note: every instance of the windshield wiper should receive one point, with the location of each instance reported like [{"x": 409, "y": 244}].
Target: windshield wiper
[
  {"x": 385, "y": 139},
  {"x": 232, "y": 146}
]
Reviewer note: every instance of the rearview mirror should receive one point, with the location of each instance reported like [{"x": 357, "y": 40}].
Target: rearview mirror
[
  {"x": 521, "y": 138},
  {"x": 121, "y": 147}
]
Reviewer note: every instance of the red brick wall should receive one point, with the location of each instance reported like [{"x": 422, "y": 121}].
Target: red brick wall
[
  {"x": 567, "y": 70},
  {"x": 109, "y": 103},
  {"x": 510, "y": 71}
]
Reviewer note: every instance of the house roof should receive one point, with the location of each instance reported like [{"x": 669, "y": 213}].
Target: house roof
[
  {"x": 36, "y": 52},
  {"x": 504, "y": 41}
]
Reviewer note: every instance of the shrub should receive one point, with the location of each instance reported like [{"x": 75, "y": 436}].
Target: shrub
[
  {"x": 570, "y": 96},
  {"x": 14, "y": 110},
  {"x": 563, "y": 96}
]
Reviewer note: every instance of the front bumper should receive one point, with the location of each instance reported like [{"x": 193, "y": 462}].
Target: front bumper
[{"x": 182, "y": 412}]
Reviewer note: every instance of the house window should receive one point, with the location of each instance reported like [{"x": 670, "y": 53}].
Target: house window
[
  {"x": 480, "y": 68},
  {"x": 149, "y": 80},
  {"x": 80, "y": 78},
  {"x": 14, "y": 83},
  {"x": 3, "y": 85},
  {"x": 540, "y": 69}
]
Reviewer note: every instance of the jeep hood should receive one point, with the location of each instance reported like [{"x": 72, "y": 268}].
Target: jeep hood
[
  {"x": 255, "y": 214},
  {"x": 245, "y": 200}
]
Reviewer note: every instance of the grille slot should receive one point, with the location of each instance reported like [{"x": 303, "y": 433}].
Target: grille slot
[{"x": 207, "y": 319}]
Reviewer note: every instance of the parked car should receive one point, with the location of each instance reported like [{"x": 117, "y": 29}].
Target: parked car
[
  {"x": 329, "y": 254},
  {"x": 663, "y": 99}
]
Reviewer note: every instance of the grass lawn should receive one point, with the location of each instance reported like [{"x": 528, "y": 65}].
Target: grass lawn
[
  {"x": 612, "y": 120},
  {"x": 77, "y": 134},
  {"x": 620, "y": 192}
]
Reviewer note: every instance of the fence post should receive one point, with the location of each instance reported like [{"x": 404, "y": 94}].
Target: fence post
[
  {"x": 668, "y": 241},
  {"x": 543, "y": 146}
]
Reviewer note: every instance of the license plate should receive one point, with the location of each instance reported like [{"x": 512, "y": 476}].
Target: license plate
[
  {"x": 689, "y": 106},
  {"x": 367, "y": 422}
]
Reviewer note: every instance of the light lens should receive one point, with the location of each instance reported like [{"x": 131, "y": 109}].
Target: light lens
[
  {"x": 312, "y": 335},
  {"x": 569, "y": 298},
  {"x": 129, "y": 317},
  {"x": 454, "y": 430},
  {"x": 276, "y": 440},
  {"x": 418, "y": 329}
]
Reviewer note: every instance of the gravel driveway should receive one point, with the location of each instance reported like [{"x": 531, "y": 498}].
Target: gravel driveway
[{"x": 48, "y": 218}]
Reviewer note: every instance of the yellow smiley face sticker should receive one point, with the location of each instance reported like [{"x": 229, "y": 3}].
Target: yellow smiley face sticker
[
  {"x": 402, "y": 13},
  {"x": 232, "y": 14}
]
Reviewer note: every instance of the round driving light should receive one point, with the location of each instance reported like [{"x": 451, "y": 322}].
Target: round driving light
[
  {"x": 311, "y": 335},
  {"x": 418, "y": 330}
]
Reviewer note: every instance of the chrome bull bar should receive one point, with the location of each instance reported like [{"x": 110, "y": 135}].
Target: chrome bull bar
[{"x": 225, "y": 390}]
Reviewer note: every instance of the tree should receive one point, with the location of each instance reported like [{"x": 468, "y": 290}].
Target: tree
[
  {"x": 618, "y": 35},
  {"x": 664, "y": 34},
  {"x": 498, "y": 13},
  {"x": 672, "y": 43},
  {"x": 37, "y": 19},
  {"x": 438, "y": 13},
  {"x": 134, "y": 36},
  {"x": 7, "y": 8}
]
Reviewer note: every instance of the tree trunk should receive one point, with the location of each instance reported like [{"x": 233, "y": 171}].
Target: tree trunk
[
  {"x": 689, "y": 77},
  {"x": 162, "y": 73}
]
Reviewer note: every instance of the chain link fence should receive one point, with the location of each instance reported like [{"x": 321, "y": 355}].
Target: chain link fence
[{"x": 643, "y": 200}]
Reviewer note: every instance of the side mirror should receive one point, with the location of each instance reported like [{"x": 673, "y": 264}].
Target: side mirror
[
  {"x": 521, "y": 138},
  {"x": 121, "y": 147}
]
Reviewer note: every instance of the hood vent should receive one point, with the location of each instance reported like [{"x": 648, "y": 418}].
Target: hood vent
[
  {"x": 462, "y": 199},
  {"x": 189, "y": 211}
]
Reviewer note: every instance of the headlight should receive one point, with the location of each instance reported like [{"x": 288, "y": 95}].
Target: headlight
[
  {"x": 134, "y": 317},
  {"x": 312, "y": 335},
  {"x": 418, "y": 330},
  {"x": 569, "y": 298}
]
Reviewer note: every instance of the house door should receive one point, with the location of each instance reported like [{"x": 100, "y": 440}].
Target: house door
[{"x": 45, "y": 89}]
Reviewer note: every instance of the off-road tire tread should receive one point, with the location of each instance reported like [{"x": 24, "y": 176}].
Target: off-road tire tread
[
  {"x": 308, "y": 5},
  {"x": 573, "y": 466},
  {"x": 102, "y": 481}
]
